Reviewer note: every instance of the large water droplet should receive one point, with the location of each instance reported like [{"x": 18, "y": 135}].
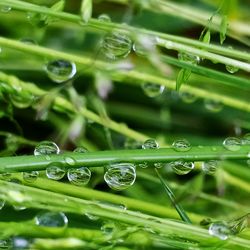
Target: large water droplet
[
  {"x": 209, "y": 167},
  {"x": 232, "y": 143},
  {"x": 220, "y": 230},
  {"x": 116, "y": 45},
  {"x": 181, "y": 167},
  {"x": 152, "y": 90},
  {"x": 2, "y": 203},
  {"x": 104, "y": 18},
  {"x": 190, "y": 58},
  {"x": 79, "y": 176},
  {"x": 187, "y": 97},
  {"x": 181, "y": 145},
  {"x": 46, "y": 148},
  {"x": 150, "y": 144},
  {"x": 213, "y": 105},
  {"x": 246, "y": 139},
  {"x": 60, "y": 70},
  {"x": 231, "y": 69},
  {"x": 120, "y": 176},
  {"x": 55, "y": 171},
  {"x": 30, "y": 176},
  {"x": 51, "y": 219}
]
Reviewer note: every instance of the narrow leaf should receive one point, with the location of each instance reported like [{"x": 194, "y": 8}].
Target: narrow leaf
[
  {"x": 223, "y": 28},
  {"x": 206, "y": 37},
  {"x": 182, "y": 77},
  {"x": 86, "y": 10},
  {"x": 171, "y": 196},
  {"x": 59, "y": 6}
]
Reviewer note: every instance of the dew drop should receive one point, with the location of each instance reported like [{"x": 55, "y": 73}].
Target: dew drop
[
  {"x": 79, "y": 176},
  {"x": 150, "y": 144},
  {"x": 190, "y": 58},
  {"x": 21, "y": 98},
  {"x": 70, "y": 161},
  {"x": 152, "y": 90},
  {"x": 30, "y": 176},
  {"x": 28, "y": 41},
  {"x": 187, "y": 97},
  {"x": 220, "y": 230},
  {"x": 143, "y": 165},
  {"x": 51, "y": 219},
  {"x": 181, "y": 145},
  {"x": 55, "y": 171},
  {"x": 120, "y": 176},
  {"x": 213, "y": 106},
  {"x": 80, "y": 150},
  {"x": 181, "y": 167},
  {"x": 60, "y": 70},
  {"x": 209, "y": 167},
  {"x": 92, "y": 216},
  {"x": 46, "y": 148},
  {"x": 2, "y": 203},
  {"x": 116, "y": 45},
  {"x": 104, "y": 18},
  {"x": 232, "y": 144},
  {"x": 246, "y": 139},
  {"x": 5, "y": 9},
  {"x": 231, "y": 69}
]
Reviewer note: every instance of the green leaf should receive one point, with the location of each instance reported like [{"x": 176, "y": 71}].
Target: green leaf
[
  {"x": 86, "y": 10},
  {"x": 206, "y": 37},
  {"x": 182, "y": 77},
  {"x": 59, "y": 6},
  {"x": 223, "y": 28}
]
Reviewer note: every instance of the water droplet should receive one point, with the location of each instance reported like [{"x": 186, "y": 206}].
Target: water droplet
[
  {"x": 120, "y": 176},
  {"x": 231, "y": 69},
  {"x": 5, "y": 9},
  {"x": 2, "y": 203},
  {"x": 143, "y": 165},
  {"x": 55, "y": 171},
  {"x": 60, "y": 70},
  {"x": 152, "y": 90},
  {"x": 181, "y": 167},
  {"x": 246, "y": 139},
  {"x": 80, "y": 150},
  {"x": 29, "y": 41},
  {"x": 158, "y": 165},
  {"x": 70, "y": 160},
  {"x": 187, "y": 97},
  {"x": 232, "y": 143},
  {"x": 21, "y": 98},
  {"x": 220, "y": 230},
  {"x": 213, "y": 105},
  {"x": 92, "y": 217},
  {"x": 21, "y": 243},
  {"x": 181, "y": 145},
  {"x": 46, "y": 148},
  {"x": 108, "y": 227},
  {"x": 209, "y": 167},
  {"x": 30, "y": 176},
  {"x": 79, "y": 176},
  {"x": 51, "y": 219},
  {"x": 19, "y": 208},
  {"x": 150, "y": 144},
  {"x": 190, "y": 58},
  {"x": 104, "y": 18},
  {"x": 116, "y": 45}
]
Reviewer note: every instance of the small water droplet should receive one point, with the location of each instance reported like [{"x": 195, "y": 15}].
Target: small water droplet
[
  {"x": 158, "y": 165},
  {"x": 246, "y": 139},
  {"x": 70, "y": 160},
  {"x": 60, "y": 70},
  {"x": 80, "y": 150},
  {"x": 116, "y": 45},
  {"x": 143, "y": 165},
  {"x": 190, "y": 58},
  {"x": 28, "y": 41},
  {"x": 181, "y": 145},
  {"x": 5, "y": 9},
  {"x": 30, "y": 176},
  {"x": 2, "y": 203},
  {"x": 181, "y": 167},
  {"x": 21, "y": 98},
  {"x": 187, "y": 97},
  {"x": 220, "y": 230},
  {"x": 92, "y": 216},
  {"x": 104, "y": 18},
  {"x": 231, "y": 69},
  {"x": 46, "y": 148},
  {"x": 51, "y": 219},
  {"x": 79, "y": 176},
  {"x": 120, "y": 176},
  {"x": 232, "y": 144},
  {"x": 150, "y": 144},
  {"x": 55, "y": 171},
  {"x": 108, "y": 227},
  {"x": 152, "y": 90},
  {"x": 213, "y": 105},
  {"x": 209, "y": 167}
]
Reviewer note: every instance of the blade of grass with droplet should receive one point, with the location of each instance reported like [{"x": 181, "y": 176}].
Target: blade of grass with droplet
[{"x": 171, "y": 196}]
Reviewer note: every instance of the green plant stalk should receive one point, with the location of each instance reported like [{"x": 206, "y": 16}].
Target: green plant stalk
[
  {"x": 105, "y": 158},
  {"x": 108, "y": 26},
  {"x": 31, "y": 197}
]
